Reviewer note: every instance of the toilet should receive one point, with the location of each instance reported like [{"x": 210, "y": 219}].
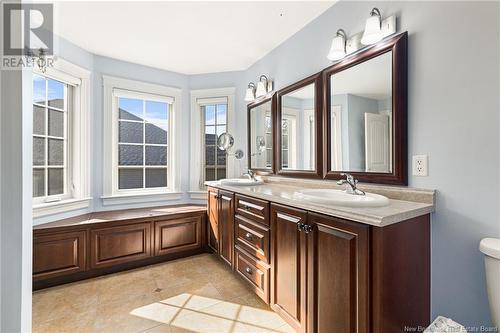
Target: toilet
[{"x": 491, "y": 248}]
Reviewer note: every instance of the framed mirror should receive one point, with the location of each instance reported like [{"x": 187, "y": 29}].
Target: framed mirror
[
  {"x": 261, "y": 119},
  {"x": 366, "y": 114},
  {"x": 299, "y": 130}
]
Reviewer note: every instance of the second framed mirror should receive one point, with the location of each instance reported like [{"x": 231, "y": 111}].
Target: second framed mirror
[
  {"x": 298, "y": 129},
  {"x": 261, "y": 119}
]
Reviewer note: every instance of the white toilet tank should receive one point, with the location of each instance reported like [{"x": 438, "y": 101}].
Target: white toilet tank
[{"x": 491, "y": 248}]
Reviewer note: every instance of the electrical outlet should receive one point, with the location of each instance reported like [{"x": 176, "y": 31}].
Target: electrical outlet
[{"x": 420, "y": 165}]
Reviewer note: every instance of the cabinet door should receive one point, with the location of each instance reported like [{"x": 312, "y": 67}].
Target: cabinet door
[
  {"x": 58, "y": 254},
  {"x": 226, "y": 226},
  {"x": 338, "y": 276},
  {"x": 120, "y": 244},
  {"x": 213, "y": 219},
  {"x": 288, "y": 266},
  {"x": 178, "y": 235}
]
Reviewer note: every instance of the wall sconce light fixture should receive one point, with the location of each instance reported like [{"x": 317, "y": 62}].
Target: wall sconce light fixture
[
  {"x": 338, "y": 48},
  {"x": 373, "y": 28},
  {"x": 263, "y": 86},
  {"x": 250, "y": 94}
]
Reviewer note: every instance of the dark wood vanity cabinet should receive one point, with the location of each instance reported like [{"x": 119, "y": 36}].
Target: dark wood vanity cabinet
[
  {"x": 226, "y": 226},
  {"x": 289, "y": 265},
  {"x": 213, "y": 219},
  {"x": 221, "y": 224},
  {"x": 338, "y": 271}
]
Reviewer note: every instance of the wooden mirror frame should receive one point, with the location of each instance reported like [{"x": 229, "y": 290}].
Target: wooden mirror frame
[
  {"x": 318, "y": 110},
  {"x": 399, "y": 47},
  {"x": 272, "y": 98}
]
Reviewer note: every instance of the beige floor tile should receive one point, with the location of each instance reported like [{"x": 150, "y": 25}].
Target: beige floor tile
[
  {"x": 192, "y": 295},
  {"x": 159, "y": 329}
]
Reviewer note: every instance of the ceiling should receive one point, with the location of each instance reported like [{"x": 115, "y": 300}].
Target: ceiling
[{"x": 185, "y": 37}]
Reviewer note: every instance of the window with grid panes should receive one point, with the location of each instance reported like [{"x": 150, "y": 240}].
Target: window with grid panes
[
  {"x": 143, "y": 128},
  {"x": 215, "y": 122},
  {"x": 285, "y": 126},
  {"x": 50, "y": 138}
]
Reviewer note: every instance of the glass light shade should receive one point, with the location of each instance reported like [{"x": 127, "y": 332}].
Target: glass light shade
[
  {"x": 337, "y": 51},
  {"x": 261, "y": 89},
  {"x": 373, "y": 31},
  {"x": 250, "y": 95}
]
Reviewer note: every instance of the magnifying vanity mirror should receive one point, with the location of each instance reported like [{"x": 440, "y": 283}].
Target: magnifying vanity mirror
[
  {"x": 260, "y": 135},
  {"x": 299, "y": 132},
  {"x": 225, "y": 142},
  {"x": 366, "y": 114}
]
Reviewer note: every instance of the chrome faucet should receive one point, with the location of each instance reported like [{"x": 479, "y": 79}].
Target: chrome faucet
[
  {"x": 350, "y": 184},
  {"x": 251, "y": 174}
]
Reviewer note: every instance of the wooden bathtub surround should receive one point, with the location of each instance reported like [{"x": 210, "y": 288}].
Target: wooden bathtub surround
[{"x": 98, "y": 243}]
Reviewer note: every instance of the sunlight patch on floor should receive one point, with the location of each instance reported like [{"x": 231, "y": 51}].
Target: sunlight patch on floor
[{"x": 207, "y": 315}]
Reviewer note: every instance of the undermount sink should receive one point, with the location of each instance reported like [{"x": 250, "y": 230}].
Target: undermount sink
[
  {"x": 241, "y": 181},
  {"x": 341, "y": 198}
]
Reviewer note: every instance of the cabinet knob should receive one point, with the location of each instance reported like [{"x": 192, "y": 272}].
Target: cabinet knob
[
  {"x": 248, "y": 270},
  {"x": 246, "y": 207},
  {"x": 307, "y": 228},
  {"x": 248, "y": 236}
]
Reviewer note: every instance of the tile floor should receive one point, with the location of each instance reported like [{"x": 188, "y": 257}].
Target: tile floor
[{"x": 192, "y": 295}]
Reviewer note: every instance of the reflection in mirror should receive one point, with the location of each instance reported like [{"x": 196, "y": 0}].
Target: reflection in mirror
[
  {"x": 298, "y": 129},
  {"x": 361, "y": 117},
  {"x": 261, "y": 137}
]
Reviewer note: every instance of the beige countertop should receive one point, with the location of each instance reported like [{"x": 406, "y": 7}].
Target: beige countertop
[{"x": 397, "y": 210}]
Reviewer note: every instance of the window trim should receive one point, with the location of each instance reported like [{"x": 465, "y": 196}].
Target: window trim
[
  {"x": 78, "y": 137},
  {"x": 111, "y": 193},
  {"x": 196, "y": 192}
]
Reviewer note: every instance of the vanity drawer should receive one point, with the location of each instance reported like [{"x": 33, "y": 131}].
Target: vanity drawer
[
  {"x": 255, "y": 272},
  {"x": 254, "y": 209},
  {"x": 253, "y": 238}
]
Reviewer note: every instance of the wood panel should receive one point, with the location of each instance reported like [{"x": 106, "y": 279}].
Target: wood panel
[
  {"x": 254, "y": 271},
  {"x": 120, "y": 244},
  {"x": 226, "y": 226},
  {"x": 251, "y": 208},
  {"x": 253, "y": 237},
  {"x": 401, "y": 275},
  {"x": 177, "y": 235},
  {"x": 338, "y": 270},
  {"x": 288, "y": 266},
  {"x": 58, "y": 254},
  {"x": 213, "y": 219}
]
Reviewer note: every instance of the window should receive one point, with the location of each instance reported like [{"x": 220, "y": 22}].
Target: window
[
  {"x": 215, "y": 121},
  {"x": 142, "y": 147},
  {"x": 61, "y": 130},
  {"x": 212, "y": 113},
  {"x": 140, "y": 155},
  {"x": 50, "y": 138}
]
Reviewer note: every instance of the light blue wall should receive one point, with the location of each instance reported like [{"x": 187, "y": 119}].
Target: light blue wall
[{"x": 453, "y": 117}]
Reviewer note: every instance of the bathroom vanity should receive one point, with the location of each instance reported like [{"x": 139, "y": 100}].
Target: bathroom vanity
[
  {"x": 326, "y": 260},
  {"x": 324, "y": 268}
]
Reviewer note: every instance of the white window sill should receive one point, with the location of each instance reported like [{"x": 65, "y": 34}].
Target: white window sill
[
  {"x": 130, "y": 198},
  {"x": 198, "y": 195},
  {"x": 62, "y": 206}
]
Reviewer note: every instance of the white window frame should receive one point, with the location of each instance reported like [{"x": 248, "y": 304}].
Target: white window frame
[
  {"x": 111, "y": 194},
  {"x": 78, "y": 136},
  {"x": 197, "y": 128}
]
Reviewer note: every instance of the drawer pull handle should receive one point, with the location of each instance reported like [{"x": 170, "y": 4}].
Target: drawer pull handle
[
  {"x": 248, "y": 236},
  {"x": 248, "y": 270}
]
